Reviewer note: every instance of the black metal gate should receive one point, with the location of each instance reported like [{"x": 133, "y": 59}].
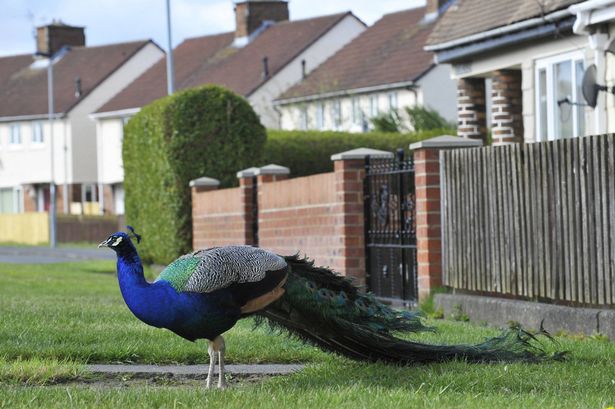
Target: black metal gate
[{"x": 390, "y": 228}]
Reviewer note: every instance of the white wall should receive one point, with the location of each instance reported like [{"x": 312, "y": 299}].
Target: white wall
[
  {"x": 323, "y": 48},
  {"x": 84, "y": 129},
  {"x": 610, "y": 81},
  {"x": 109, "y": 132},
  {"x": 440, "y": 91},
  {"x": 30, "y": 162}
]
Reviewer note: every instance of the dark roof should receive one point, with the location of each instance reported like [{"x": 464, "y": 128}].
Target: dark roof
[
  {"x": 24, "y": 88},
  {"x": 390, "y": 51},
  {"x": 467, "y": 17},
  {"x": 213, "y": 60}
]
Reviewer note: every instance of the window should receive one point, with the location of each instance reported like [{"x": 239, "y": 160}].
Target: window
[
  {"x": 336, "y": 113},
  {"x": 37, "y": 132},
  {"x": 303, "y": 113},
  {"x": 11, "y": 200},
  {"x": 373, "y": 106},
  {"x": 558, "y": 89},
  {"x": 356, "y": 111},
  {"x": 320, "y": 116},
  {"x": 392, "y": 101},
  {"x": 15, "y": 136}
]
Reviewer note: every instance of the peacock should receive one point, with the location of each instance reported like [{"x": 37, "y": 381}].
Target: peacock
[{"x": 203, "y": 294}]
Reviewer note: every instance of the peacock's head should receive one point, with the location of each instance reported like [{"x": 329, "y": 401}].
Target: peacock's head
[{"x": 121, "y": 240}]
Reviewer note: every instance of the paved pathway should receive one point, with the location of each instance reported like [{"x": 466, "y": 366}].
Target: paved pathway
[
  {"x": 261, "y": 369},
  {"x": 45, "y": 255}
]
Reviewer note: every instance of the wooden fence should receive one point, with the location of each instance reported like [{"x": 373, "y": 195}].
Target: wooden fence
[{"x": 532, "y": 220}]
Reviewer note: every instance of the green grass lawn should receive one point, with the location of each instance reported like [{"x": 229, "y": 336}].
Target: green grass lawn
[{"x": 54, "y": 318}]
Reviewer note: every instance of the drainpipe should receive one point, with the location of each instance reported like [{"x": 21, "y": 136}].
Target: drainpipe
[{"x": 598, "y": 42}]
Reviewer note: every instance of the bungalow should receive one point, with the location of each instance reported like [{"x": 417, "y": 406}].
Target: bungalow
[
  {"x": 384, "y": 69},
  {"x": 266, "y": 55},
  {"x": 84, "y": 78},
  {"x": 536, "y": 55}
]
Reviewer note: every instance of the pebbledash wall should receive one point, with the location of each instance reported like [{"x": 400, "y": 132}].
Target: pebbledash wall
[{"x": 321, "y": 216}]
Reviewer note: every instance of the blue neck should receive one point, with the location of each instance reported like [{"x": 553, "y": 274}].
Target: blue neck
[{"x": 141, "y": 297}]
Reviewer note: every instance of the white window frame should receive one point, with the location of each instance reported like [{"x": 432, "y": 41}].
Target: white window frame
[
  {"x": 15, "y": 135},
  {"x": 548, "y": 65},
  {"x": 38, "y": 126}
]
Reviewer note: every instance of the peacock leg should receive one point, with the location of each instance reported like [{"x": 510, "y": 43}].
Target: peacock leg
[
  {"x": 212, "y": 364},
  {"x": 219, "y": 343}
]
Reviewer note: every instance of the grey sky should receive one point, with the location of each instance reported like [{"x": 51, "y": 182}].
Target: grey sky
[{"x": 112, "y": 21}]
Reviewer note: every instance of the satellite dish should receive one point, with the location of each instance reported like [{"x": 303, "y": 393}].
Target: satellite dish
[{"x": 590, "y": 88}]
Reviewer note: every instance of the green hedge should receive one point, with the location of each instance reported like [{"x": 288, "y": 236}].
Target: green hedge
[
  {"x": 309, "y": 152},
  {"x": 207, "y": 131}
]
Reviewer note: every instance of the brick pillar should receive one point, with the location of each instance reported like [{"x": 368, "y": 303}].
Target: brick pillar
[
  {"x": 197, "y": 186},
  {"x": 267, "y": 174},
  {"x": 248, "y": 186},
  {"x": 471, "y": 115},
  {"x": 29, "y": 198},
  {"x": 349, "y": 168},
  {"x": 507, "y": 107},
  {"x": 428, "y": 220}
]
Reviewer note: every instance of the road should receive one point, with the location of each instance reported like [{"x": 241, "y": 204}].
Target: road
[{"x": 46, "y": 255}]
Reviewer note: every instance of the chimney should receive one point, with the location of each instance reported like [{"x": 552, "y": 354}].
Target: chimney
[
  {"x": 434, "y": 8},
  {"x": 54, "y": 36},
  {"x": 252, "y": 15}
]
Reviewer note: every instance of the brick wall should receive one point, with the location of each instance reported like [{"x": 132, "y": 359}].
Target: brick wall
[
  {"x": 471, "y": 115},
  {"x": 218, "y": 217},
  {"x": 299, "y": 215},
  {"x": 507, "y": 107},
  {"x": 249, "y": 16}
]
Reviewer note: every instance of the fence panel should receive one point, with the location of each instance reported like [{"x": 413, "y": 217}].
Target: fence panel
[{"x": 535, "y": 221}]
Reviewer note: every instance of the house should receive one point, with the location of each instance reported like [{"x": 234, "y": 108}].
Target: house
[
  {"x": 262, "y": 58},
  {"x": 84, "y": 78},
  {"x": 383, "y": 69},
  {"x": 535, "y": 53}
]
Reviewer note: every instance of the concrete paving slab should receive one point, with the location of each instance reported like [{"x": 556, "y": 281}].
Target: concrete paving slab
[{"x": 260, "y": 369}]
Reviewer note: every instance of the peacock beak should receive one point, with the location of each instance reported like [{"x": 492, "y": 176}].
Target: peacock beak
[{"x": 105, "y": 243}]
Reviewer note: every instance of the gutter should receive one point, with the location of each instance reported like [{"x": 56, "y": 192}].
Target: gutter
[
  {"x": 591, "y": 12},
  {"x": 35, "y": 117},
  {"x": 346, "y": 92},
  {"x": 510, "y": 39},
  {"x": 114, "y": 114},
  {"x": 484, "y": 35}
]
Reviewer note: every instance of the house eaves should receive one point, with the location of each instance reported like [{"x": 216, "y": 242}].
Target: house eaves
[
  {"x": 345, "y": 92},
  {"x": 502, "y": 36},
  {"x": 36, "y": 117},
  {"x": 114, "y": 114}
]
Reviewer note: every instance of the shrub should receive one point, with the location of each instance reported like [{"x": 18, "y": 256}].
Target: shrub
[
  {"x": 207, "y": 131},
  {"x": 309, "y": 152},
  {"x": 421, "y": 119}
]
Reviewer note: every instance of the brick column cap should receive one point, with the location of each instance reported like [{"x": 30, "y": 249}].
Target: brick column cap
[
  {"x": 205, "y": 182},
  {"x": 361, "y": 153},
  {"x": 272, "y": 169},
  {"x": 446, "y": 142},
  {"x": 246, "y": 173}
]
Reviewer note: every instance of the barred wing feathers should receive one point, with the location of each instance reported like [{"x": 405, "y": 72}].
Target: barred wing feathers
[{"x": 204, "y": 271}]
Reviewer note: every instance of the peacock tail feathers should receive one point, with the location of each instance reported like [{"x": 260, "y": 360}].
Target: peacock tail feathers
[{"x": 326, "y": 310}]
